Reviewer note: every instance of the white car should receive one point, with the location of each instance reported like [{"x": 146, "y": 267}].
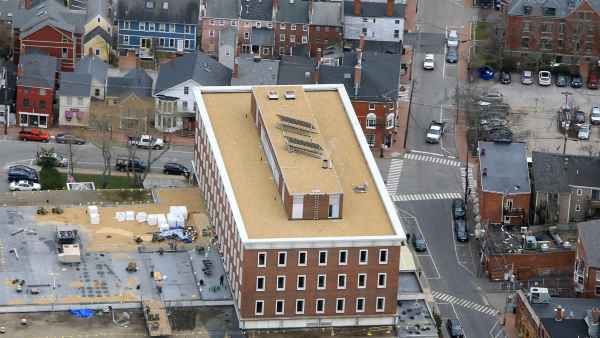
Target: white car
[
  {"x": 584, "y": 132},
  {"x": 595, "y": 115},
  {"x": 434, "y": 132},
  {"x": 452, "y": 40},
  {"x": 147, "y": 141},
  {"x": 24, "y": 186},
  {"x": 429, "y": 62},
  {"x": 544, "y": 78}
]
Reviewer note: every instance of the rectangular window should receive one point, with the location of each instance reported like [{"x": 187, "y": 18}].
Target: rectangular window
[
  {"x": 381, "y": 280},
  {"x": 161, "y": 27},
  {"x": 186, "y": 90},
  {"x": 380, "y": 304},
  {"x": 524, "y": 42},
  {"x": 282, "y": 258},
  {"x": 343, "y": 257},
  {"x": 282, "y": 37},
  {"x": 383, "y": 256},
  {"x": 260, "y": 283},
  {"x": 579, "y": 192},
  {"x": 280, "y": 283},
  {"x": 360, "y": 304},
  {"x": 526, "y": 27},
  {"x": 597, "y": 276},
  {"x": 172, "y": 28},
  {"x": 321, "y": 281},
  {"x": 301, "y": 282},
  {"x": 171, "y": 42},
  {"x": 279, "y": 306},
  {"x": 304, "y": 39},
  {"x": 340, "y": 305},
  {"x": 293, "y": 27},
  {"x": 187, "y": 44},
  {"x": 262, "y": 260},
  {"x": 259, "y": 308},
  {"x": 561, "y": 28},
  {"x": 151, "y": 26},
  {"x": 258, "y": 24},
  {"x": 305, "y": 28},
  {"x": 188, "y": 29},
  {"x": 299, "y": 306},
  {"x": 361, "y": 281},
  {"x": 282, "y": 26},
  {"x": 370, "y": 139},
  {"x": 320, "y": 305},
  {"x": 322, "y": 258},
  {"x": 302, "y": 258},
  {"x": 577, "y": 207},
  {"x": 341, "y": 284},
  {"x": 363, "y": 256},
  {"x": 142, "y": 26},
  {"x": 396, "y": 33},
  {"x": 42, "y": 104},
  {"x": 292, "y": 38}
]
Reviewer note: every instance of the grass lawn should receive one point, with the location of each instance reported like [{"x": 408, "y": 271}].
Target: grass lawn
[
  {"x": 114, "y": 182},
  {"x": 482, "y": 30}
]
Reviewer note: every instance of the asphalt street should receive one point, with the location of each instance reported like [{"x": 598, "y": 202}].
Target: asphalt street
[{"x": 84, "y": 156}]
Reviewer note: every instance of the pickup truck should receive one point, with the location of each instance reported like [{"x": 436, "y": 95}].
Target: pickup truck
[
  {"x": 125, "y": 164},
  {"x": 434, "y": 132},
  {"x": 147, "y": 141},
  {"x": 34, "y": 135}
]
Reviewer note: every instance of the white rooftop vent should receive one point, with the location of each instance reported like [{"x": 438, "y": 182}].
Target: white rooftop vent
[
  {"x": 273, "y": 95},
  {"x": 290, "y": 95},
  {"x": 165, "y": 5}
]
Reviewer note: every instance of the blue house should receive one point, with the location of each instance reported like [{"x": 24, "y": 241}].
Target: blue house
[{"x": 162, "y": 25}]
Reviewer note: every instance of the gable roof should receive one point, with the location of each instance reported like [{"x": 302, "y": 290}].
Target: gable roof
[
  {"x": 292, "y": 11},
  {"x": 556, "y": 172},
  {"x": 225, "y": 9},
  {"x": 93, "y": 65},
  {"x": 136, "y": 81},
  {"x": 97, "y": 31},
  {"x": 589, "y": 235},
  {"x": 199, "y": 67},
  {"x": 250, "y": 72},
  {"x": 98, "y": 7},
  {"x": 373, "y": 9},
  {"x": 37, "y": 70},
  {"x": 506, "y": 168},
  {"x": 295, "y": 69},
  {"x": 327, "y": 14},
  {"x": 178, "y": 11},
  {"x": 52, "y": 13},
  {"x": 257, "y": 10},
  {"x": 75, "y": 84},
  {"x": 562, "y": 7}
]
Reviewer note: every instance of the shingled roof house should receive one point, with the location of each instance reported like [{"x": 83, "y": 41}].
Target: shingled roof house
[
  {"x": 35, "y": 90},
  {"x": 74, "y": 99}
]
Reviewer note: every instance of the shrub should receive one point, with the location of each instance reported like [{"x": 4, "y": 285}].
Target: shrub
[{"x": 51, "y": 179}]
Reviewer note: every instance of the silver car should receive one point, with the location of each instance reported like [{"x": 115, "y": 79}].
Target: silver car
[
  {"x": 584, "y": 132},
  {"x": 595, "y": 115},
  {"x": 527, "y": 77}
]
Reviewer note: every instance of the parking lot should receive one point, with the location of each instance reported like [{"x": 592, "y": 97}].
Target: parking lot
[{"x": 534, "y": 114}]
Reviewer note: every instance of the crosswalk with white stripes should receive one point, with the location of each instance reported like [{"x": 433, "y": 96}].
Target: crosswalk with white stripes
[
  {"x": 446, "y": 298},
  {"x": 433, "y": 159},
  {"x": 394, "y": 173},
  {"x": 425, "y": 196}
]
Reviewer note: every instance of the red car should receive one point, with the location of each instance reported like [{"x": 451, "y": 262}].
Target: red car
[
  {"x": 592, "y": 82},
  {"x": 34, "y": 135}
]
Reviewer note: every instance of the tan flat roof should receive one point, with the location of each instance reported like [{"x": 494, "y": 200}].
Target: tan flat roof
[
  {"x": 260, "y": 205},
  {"x": 302, "y": 173}
]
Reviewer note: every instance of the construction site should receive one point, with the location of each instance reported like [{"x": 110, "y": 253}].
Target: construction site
[{"x": 149, "y": 258}]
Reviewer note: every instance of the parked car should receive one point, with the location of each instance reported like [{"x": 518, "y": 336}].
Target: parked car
[
  {"x": 59, "y": 159},
  {"x": 592, "y": 82},
  {"x": 24, "y": 186},
  {"x": 492, "y": 96},
  {"x": 584, "y": 132},
  {"x": 454, "y": 328},
  {"x": 175, "y": 169},
  {"x": 125, "y": 164},
  {"x": 419, "y": 242},
  {"x": 595, "y": 115},
  {"x": 22, "y": 173},
  {"x": 34, "y": 135},
  {"x": 562, "y": 80},
  {"x": 486, "y": 73},
  {"x": 579, "y": 118},
  {"x": 576, "y": 81},
  {"x": 458, "y": 208},
  {"x": 544, "y": 78},
  {"x": 68, "y": 139},
  {"x": 434, "y": 132},
  {"x": 147, "y": 141},
  {"x": 505, "y": 78},
  {"x": 452, "y": 55},
  {"x": 527, "y": 77},
  {"x": 429, "y": 62},
  {"x": 452, "y": 39},
  {"x": 460, "y": 230}
]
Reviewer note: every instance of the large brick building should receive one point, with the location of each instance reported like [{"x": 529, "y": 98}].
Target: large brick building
[
  {"x": 566, "y": 29},
  {"x": 326, "y": 25},
  {"x": 587, "y": 261},
  {"x": 36, "y": 84},
  {"x": 308, "y": 234}
]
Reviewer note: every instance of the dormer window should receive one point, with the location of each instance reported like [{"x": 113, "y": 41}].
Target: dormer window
[
  {"x": 549, "y": 11},
  {"x": 150, "y": 4},
  {"x": 526, "y": 10},
  {"x": 165, "y": 5}
]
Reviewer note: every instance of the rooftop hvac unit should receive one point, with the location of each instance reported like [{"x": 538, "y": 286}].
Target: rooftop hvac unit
[{"x": 523, "y": 230}]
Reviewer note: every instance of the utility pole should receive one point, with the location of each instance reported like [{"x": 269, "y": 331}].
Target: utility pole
[
  {"x": 565, "y": 130},
  {"x": 10, "y": 52}
]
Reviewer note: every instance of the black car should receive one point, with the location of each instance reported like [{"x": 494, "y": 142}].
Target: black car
[
  {"x": 175, "y": 169},
  {"x": 579, "y": 118},
  {"x": 68, "y": 139},
  {"x": 576, "y": 81},
  {"x": 458, "y": 208},
  {"x": 452, "y": 55},
  {"x": 460, "y": 230},
  {"x": 505, "y": 78},
  {"x": 22, "y": 167},
  {"x": 125, "y": 164},
  {"x": 419, "y": 242},
  {"x": 454, "y": 328},
  {"x": 562, "y": 80},
  {"x": 22, "y": 173}
]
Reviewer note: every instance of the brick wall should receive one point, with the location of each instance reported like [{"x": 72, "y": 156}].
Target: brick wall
[
  {"x": 50, "y": 40},
  {"x": 323, "y": 36},
  {"x": 530, "y": 265},
  {"x": 381, "y": 111},
  {"x": 491, "y": 205}
]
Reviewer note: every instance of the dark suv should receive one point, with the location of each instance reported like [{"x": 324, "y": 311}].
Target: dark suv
[
  {"x": 22, "y": 173},
  {"x": 175, "y": 169},
  {"x": 458, "y": 208},
  {"x": 460, "y": 230},
  {"x": 125, "y": 164}
]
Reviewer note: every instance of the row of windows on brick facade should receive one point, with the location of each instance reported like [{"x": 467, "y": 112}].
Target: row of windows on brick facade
[
  {"x": 260, "y": 24},
  {"x": 363, "y": 258},
  {"x": 153, "y": 27},
  {"x": 162, "y": 42},
  {"x": 365, "y": 31},
  {"x": 561, "y": 27},
  {"x": 548, "y": 44},
  {"x": 360, "y": 305},
  {"x": 371, "y": 121},
  {"x": 321, "y": 282}
]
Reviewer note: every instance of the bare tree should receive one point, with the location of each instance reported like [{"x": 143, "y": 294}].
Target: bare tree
[{"x": 103, "y": 140}]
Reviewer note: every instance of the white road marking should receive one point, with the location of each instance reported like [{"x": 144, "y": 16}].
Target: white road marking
[
  {"x": 458, "y": 261},
  {"x": 425, "y": 196},
  {"x": 393, "y": 178},
  {"x": 444, "y": 297},
  {"x": 411, "y": 216}
]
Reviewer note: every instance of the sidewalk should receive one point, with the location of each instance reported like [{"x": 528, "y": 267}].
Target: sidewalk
[{"x": 397, "y": 147}]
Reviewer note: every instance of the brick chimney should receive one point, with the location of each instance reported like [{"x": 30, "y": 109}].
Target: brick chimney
[
  {"x": 361, "y": 43},
  {"x": 236, "y": 68},
  {"x": 356, "y": 7},
  {"x": 559, "y": 314},
  {"x": 389, "y": 10},
  {"x": 357, "y": 77},
  {"x": 359, "y": 56},
  {"x": 318, "y": 59}
]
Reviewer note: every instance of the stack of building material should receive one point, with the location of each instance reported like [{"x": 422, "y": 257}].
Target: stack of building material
[{"x": 94, "y": 215}]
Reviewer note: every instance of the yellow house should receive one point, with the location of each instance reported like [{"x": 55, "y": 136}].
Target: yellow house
[{"x": 98, "y": 29}]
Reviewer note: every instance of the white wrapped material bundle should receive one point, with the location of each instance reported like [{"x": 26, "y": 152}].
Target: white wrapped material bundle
[
  {"x": 152, "y": 219},
  {"x": 95, "y": 219},
  {"x": 172, "y": 220},
  {"x": 141, "y": 217},
  {"x": 120, "y": 215},
  {"x": 129, "y": 215},
  {"x": 163, "y": 227},
  {"x": 92, "y": 210},
  {"x": 161, "y": 220},
  {"x": 179, "y": 210}
]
